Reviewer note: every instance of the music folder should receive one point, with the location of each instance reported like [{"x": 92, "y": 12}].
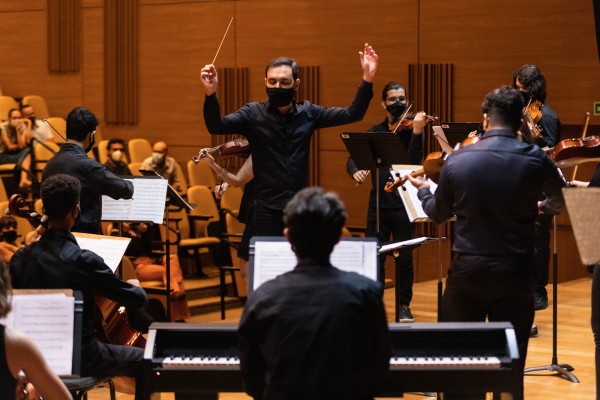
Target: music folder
[
  {"x": 273, "y": 256},
  {"x": 582, "y": 204}
]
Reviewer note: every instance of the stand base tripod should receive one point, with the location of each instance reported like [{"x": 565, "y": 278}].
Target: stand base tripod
[{"x": 563, "y": 371}]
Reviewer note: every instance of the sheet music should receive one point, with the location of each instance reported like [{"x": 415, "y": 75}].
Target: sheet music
[
  {"x": 48, "y": 319},
  {"x": 439, "y": 134},
  {"x": 405, "y": 243},
  {"x": 409, "y": 193},
  {"x": 110, "y": 248},
  {"x": 147, "y": 204},
  {"x": 273, "y": 258}
]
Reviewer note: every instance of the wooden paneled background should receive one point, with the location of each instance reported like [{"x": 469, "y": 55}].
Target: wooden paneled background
[{"x": 485, "y": 42}]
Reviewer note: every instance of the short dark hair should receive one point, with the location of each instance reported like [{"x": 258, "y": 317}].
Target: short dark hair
[
  {"x": 504, "y": 106},
  {"x": 8, "y": 221},
  {"x": 60, "y": 193},
  {"x": 5, "y": 290},
  {"x": 80, "y": 122},
  {"x": 279, "y": 61},
  {"x": 533, "y": 81},
  {"x": 391, "y": 86},
  {"x": 113, "y": 141},
  {"x": 314, "y": 219}
]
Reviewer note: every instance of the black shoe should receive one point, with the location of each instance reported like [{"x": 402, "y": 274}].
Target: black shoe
[
  {"x": 540, "y": 302},
  {"x": 534, "y": 331},
  {"x": 405, "y": 314}
]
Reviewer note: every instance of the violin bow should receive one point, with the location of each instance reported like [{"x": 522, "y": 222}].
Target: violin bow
[{"x": 586, "y": 122}]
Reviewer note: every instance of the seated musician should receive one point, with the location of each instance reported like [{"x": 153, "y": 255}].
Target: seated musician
[
  {"x": 493, "y": 187},
  {"x": 56, "y": 261},
  {"x": 315, "y": 332}
]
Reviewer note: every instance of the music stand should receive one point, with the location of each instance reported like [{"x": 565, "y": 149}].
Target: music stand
[
  {"x": 173, "y": 199},
  {"x": 456, "y": 132},
  {"x": 372, "y": 151}
]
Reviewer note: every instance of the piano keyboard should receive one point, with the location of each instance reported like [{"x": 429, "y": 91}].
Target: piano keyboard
[
  {"x": 201, "y": 362},
  {"x": 398, "y": 363}
]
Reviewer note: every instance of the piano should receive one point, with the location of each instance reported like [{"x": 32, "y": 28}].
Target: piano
[{"x": 426, "y": 357}]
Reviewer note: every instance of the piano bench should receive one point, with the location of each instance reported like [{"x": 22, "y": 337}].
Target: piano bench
[{"x": 78, "y": 387}]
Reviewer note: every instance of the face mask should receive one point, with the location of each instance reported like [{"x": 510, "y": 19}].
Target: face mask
[
  {"x": 10, "y": 236},
  {"x": 157, "y": 158},
  {"x": 525, "y": 97},
  {"x": 396, "y": 109},
  {"x": 116, "y": 156},
  {"x": 32, "y": 119},
  {"x": 280, "y": 97},
  {"x": 92, "y": 142},
  {"x": 15, "y": 122}
]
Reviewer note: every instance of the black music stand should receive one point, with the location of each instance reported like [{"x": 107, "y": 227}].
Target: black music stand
[
  {"x": 173, "y": 199},
  {"x": 372, "y": 151},
  {"x": 563, "y": 370},
  {"x": 456, "y": 132}
]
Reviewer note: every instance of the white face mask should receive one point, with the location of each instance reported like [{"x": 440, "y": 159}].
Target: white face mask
[
  {"x": 116, "y": 155},
  {"x": 157, "y": 158}
]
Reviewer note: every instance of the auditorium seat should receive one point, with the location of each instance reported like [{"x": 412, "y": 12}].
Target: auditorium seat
[
  {"x": 6, "y": 104},
  {"x": 60, "y": 124},
  {"x": 39, "y": 105},
  {"x": 139, "y": 150},
  {"x": 201, "y": 174}
]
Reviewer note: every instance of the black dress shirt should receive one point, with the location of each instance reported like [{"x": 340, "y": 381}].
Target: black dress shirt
[
  {"x": 493, "y": 187},
  {"x": 95, "y": 182},
  {"x": 57, "y": 262},
  {"x": 314, "y": 333},
  {"x": 413, "y": 144},
  {"x": 279, "y": 143}
]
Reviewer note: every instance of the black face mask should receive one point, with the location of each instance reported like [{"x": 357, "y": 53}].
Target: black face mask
[
  {"x": 9, "y": 236},
  {"x": 525, "y": 97},
  {"x": 396, "y": 109},
  {"x": 92, "y": 143},
  {"x": 280, "y": 97},
  {"x": 32, "y": 119}
]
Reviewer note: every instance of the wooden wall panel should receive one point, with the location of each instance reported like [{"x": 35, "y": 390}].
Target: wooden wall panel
[{"x": 64, "y": 35}]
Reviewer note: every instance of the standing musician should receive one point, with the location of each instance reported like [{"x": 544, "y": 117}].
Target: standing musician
[
  {"x": 493, "y": 188},
  {"x": 279, "y": 131},
  {"x": 531, "y": 83},
  {"x": 95, "y": 180},
  {"x": 57, "y": 262},
  {"x": 394, "y": 221}
]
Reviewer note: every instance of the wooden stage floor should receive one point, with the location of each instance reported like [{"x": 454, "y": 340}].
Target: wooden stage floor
[{"x": 575, "y": 342}]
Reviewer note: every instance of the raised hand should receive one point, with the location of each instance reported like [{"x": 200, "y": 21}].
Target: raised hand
[
  {"x": 369, "y": 62},
  {"x": 209, "y": 79}
]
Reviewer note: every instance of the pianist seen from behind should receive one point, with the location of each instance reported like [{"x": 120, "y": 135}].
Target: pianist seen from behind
[{"x": 315, "y": 332}]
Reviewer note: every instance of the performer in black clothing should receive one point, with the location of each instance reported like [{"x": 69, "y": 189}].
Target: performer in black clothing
[
  {"x": 531, "y": 83},
  {"x": 115, "y": 150},
  {"x": 279, "y": 131},
  {"x": 594, "y": 182},
  {"x": 315, "y": 332},
  {"x": 57, "y": 262},
  {"x": 393, "y": 220},
  {"x": 493, "y": 187},
  {"x": 95, "y": 180}
]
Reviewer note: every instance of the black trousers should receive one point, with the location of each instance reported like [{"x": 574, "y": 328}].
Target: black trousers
[
  {"x": 596, "y": 323},
  {"x": 497, "y": 287},
  {"x": 267, "y": 221},
  {"x": 394, "y": 224},
  {"x": 100, "y": 359}
]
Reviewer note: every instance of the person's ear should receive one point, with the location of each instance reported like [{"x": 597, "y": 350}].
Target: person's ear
[
  {"x": 286, "y": 233},
  {"x": 383, "y": 105},
  {"x": 297, "y": 84}
]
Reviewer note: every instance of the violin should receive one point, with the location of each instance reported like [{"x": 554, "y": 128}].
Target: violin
[
  {"x": 431, "y": 166},
  {"x": 570, "y": 152},
  {"x": 236, "y": 147},
  {"x": 408, "y": 121},
  {"x": 115, "y": 325},
  {"x": 532, "y": 113}
]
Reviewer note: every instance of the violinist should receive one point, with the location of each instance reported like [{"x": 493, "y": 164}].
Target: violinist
[
  {"x": 493, "y": 188},
  {"x": 531, "y": 83},
  {"x": 393, "y": 221},
  {"x": 57, "y": 262},
  {"x": 279, "y": 130},
  {"x": 245, "y": 178}
]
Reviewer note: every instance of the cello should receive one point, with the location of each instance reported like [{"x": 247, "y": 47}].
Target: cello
[{"x": 112, "y": 323}]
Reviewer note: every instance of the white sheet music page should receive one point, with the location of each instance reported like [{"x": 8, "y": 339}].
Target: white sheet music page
[
  {"x": 408, "y": 193},
  {"x": 110, "y": 248},
  {"x": 273, "y": 258},
  {"x": 147, "y": 204},
  {"x": 48, "y": 319}
]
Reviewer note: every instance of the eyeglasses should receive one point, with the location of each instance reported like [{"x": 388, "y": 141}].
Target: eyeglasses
[{"x": 394, "y": 100}]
